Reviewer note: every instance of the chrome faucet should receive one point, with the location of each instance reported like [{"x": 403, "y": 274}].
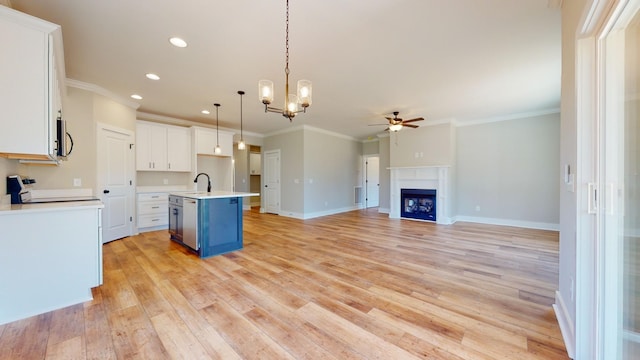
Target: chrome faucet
[{"x": 208, "y": 181}]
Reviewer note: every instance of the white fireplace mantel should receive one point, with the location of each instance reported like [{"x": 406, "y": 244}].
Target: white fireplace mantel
[{"x": 421, "y": 177}]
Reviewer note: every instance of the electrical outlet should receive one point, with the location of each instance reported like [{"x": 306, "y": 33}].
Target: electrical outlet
[
  {"x": 165, "y": 181},
  {"x": 77, "y": 182},
  {"x": 477, "y": 207}
]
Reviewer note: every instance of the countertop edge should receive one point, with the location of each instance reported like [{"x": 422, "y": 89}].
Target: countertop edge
[
  {"x": 47, "y": 207},
  {"x": 214, "y": 195}
]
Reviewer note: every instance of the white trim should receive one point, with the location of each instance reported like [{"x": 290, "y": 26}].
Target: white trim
[
  {"x": 317, "y": 214},
  {"x": 566, "y": 326},
  {"x": 311, "y": 128},
  {"x": 518, "y": 116},
  {"x": 383, "y": 210},
  {"x": 140, "y": 115},
  {"x": 509, "y": 222},
  {"x": 102, "y": 91}
]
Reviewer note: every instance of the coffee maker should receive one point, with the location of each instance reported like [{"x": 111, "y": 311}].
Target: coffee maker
[{"x": 17, "y": 187}]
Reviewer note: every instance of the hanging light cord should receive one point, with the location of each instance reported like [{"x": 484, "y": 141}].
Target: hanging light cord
[
  {"x": 241, "y": 93},
  {"x": 217, "y": 132},
  {"x": 286, "y": 68}
]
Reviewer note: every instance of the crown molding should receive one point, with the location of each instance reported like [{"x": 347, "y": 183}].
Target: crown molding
[
  {"x": 101, "y": 91},
  {"x": 310, "y": 128},
  {"x": 518, "y": 116},
  {"x": 140, "y": 115}
]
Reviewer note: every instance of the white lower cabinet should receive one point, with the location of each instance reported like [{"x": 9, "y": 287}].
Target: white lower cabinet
[
  {"x": 153, "y": 211},
  {"x": 51, "y": 257}
]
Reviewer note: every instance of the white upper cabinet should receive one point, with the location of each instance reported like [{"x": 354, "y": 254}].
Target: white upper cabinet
[
  {"x": 255, "y": 163},
  {"x": 206, "y": 140},
  {"x": 178, "y": 148},
  {"x": 162, "y": 147},
  {"x": 31, "y": 70}
]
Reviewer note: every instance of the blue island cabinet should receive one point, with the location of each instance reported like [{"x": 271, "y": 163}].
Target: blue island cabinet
[{"x": 219, "y": 225}]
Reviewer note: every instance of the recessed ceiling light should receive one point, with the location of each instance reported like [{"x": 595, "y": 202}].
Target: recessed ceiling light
[
  {"x": 136, "y": 96},
  {"x": 152, "y": 76},
  {"x": 176, "y": 41},
  {"x": 206, "y": 112}
]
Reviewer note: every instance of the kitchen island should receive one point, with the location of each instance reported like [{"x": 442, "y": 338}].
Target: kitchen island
[{"x": 210, "y": 223}]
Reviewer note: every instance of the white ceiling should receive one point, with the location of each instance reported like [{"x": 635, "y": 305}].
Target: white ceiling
[{"x": 439, "y": 59}]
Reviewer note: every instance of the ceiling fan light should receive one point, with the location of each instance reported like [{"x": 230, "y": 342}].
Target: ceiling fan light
[
  {"x": 265, "y": 91},
  {"x": 395, "y": 127},
  {"x": 304, "y": 93}
]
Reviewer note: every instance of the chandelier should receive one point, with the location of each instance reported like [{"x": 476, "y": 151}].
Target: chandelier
[{"x": 293, "y": 103}]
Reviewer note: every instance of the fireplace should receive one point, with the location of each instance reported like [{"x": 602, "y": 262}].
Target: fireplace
[{"x": 418, "y": 204}]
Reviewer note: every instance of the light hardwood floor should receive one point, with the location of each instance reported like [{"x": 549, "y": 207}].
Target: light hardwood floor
[{"x": 356, "y": 285}]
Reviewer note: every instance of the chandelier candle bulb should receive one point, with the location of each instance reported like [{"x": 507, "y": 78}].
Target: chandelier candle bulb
[
  {"x": 265, "y": 89},
  {"x": 304, "y": 93}
]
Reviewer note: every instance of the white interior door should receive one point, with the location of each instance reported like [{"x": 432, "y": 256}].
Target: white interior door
[
  {"x": 272, "y": 181},
  {"x": 115, "y": 184},
  {"x": 372, "y": 181}
]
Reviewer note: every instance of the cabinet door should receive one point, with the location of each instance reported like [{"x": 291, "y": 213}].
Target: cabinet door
[
  {"x": 226, "y": 143},
  {"x": 178, "y": 149},
  {"x": 255, "y": 163},
  {"x": 158, "y": 148},
  {"x": 24, "y": 67},
  {"x": 143, "y": 147},
  {"x": 151, "y": 148},
  {"x": 205, "y": 141}
]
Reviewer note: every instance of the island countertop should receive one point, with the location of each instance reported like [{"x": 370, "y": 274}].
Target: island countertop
[{"x": 217, "y": 194}]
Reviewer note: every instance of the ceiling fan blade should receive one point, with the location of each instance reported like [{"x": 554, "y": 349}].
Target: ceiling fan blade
[
  {"x": 412, "y": 120},
  {"x": 409, "y": 125},
  {"x": 378, "y": 124},
  {"x": 388, "y": 118}
]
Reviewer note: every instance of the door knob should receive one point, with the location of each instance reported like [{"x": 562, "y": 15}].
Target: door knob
[{"x": 105, "y": 191}]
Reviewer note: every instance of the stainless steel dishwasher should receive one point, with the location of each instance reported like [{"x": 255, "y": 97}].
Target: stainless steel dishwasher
[{"x": 190, "y": 223}]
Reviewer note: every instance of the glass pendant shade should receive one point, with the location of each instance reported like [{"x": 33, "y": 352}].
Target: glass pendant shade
[
  {"x": 292, "y": 104},
  {"x": 217, "y": 150},
  {"x": 304, "y": 93},
  {"x": 241, "y": 145},
  {"x": 265, "y": 91},
  {"x": 395, "y": 127}
]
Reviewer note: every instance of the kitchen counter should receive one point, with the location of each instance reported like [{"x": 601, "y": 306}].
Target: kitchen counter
[
  {"x": 217, "y": 194},
  {"x": 8, "y": 209}
]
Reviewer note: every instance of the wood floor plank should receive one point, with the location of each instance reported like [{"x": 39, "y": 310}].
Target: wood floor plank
[
  {"x": 70, "y": 349},
  {"x": 97, "y": 333},
  {"x": 133, "y": 335},
  {"x": 354, "y": 285},
  {"x": 26, "y": 339}
]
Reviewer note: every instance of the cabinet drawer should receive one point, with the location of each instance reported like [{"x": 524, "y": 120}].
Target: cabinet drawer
[
  {"x": 155, "y": 207},
  {"x": 153, "y": 220},
  {"x": 153, "y": 197}
]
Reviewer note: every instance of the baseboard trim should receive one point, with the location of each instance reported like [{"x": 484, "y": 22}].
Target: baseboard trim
[
  {"x": 566, "y": 326},
  {"x": 317, "y": 214},
  {"x": 509, "y": 222}
]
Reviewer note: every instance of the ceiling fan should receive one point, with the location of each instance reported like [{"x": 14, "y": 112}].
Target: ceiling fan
[{"x": 396, "y": 124}]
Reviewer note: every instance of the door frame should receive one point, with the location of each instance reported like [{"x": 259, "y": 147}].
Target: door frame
[
  {"x": 263, "y": 180},
  {"x": 365, "y": 178},
  {"x": 596, "y": 333},
  {"x": 131, "y": 167}
]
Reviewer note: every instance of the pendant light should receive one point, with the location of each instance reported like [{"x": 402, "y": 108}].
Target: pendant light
[
  {"x": 217, "y": 150},
  {"x": 241, "y": 144},
  {"x": 292, "y": 102}
]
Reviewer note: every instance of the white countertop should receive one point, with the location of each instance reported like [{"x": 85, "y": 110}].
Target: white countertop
[
  {"x": 8, "y": 209},
  {"x": 217, "y": 194}
]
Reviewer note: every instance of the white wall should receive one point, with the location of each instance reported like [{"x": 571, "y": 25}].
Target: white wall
[
  {"x": 424, "y": 146},
  {"x": 385, "y": 174},
  {"x": 331, "y": 166},
  {"x": 509, "y": 170},
  {"x": 572, "y": 11},
  {"x": 82, "y": 110},
  {"x": 291, "y": 149}
]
